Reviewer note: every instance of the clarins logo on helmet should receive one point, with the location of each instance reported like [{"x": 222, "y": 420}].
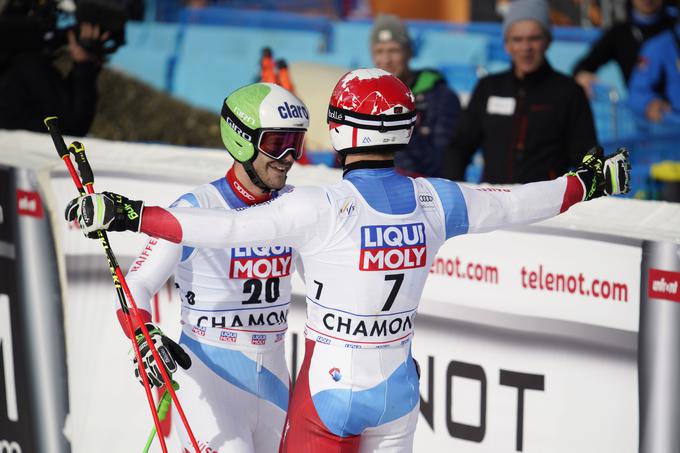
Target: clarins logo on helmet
[
  {"x": 292, "y": 111},
  {"x": 238, "y": 130},
  {"x": 336, "y": 115},
  {"x": 244, "y": 116}
]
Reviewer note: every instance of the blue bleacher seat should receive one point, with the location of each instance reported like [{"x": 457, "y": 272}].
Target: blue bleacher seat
[
  {"x": 270, "y": 17},
  {"x": 149, "y": 52},
  {"x": 443, "y": 47},
  {"x": 564, "y": 55},
  {"x": 152, "y": 35},
  {"x": 462, "y": 78},
  {"x": 610, "y": 75},
  {"x": 205, "y": 80},
  {"x": 235, "y": 42},
  {"x": 495, "y": 66},
  {"x": 150, "y": 66},
  {"x": 613, "y": 117},
  {"x": 350, "y": 42}
]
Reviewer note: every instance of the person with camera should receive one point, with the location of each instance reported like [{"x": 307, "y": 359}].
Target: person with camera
[{"x": 31, "y": 85}]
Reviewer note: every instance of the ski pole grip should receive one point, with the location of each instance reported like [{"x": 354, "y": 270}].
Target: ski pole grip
[
  {"x": 52, "y": 125},
  {"x": 78, "y": 151}
]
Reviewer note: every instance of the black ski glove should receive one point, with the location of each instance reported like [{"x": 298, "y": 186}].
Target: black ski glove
[
  {"x": 169, "y": 352},
  {"x": 105, "y": 211},
  {"x": 602, "y": 175}
]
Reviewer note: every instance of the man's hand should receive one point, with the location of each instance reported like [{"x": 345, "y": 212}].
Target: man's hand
[
  {"x": 82, "y": 48},
  {"x": 169, "y": 352},
  {"x": 604, "y": 175},
  {"x": 656, "y": 109},
  {"x": 105, "y": 211},
  {"x": 586, "y": 79}
]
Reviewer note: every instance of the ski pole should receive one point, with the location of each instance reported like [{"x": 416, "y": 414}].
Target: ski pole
[
  {"x": 88, "y": 178},
  {"x": 122, "y": 289},
  {"x": 163, "y": 408}
]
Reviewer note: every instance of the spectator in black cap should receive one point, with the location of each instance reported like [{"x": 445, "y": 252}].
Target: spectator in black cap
[
  {"x": 437, "y": 105},
  {"x": 530, "y": 122}
]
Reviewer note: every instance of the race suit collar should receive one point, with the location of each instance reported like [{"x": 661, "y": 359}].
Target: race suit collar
[
  {"x": 363, "y": 164},
  {"x": 242, "y": 193}
]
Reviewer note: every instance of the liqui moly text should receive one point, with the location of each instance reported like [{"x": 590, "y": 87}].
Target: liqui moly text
[
  {"x": 390, "y": 247},
  {"x": 260, "y": 262}
]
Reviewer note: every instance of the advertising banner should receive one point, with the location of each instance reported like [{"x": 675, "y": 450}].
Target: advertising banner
[
  {"x": 16, "y": 398},
  {"x": 578, "y": 279}
]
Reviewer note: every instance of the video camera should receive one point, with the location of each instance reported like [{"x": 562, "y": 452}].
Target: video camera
[{"x": 42, "y": 25}]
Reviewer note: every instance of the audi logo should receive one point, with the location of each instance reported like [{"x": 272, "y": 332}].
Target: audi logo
[{"x": 426, "y": 198}]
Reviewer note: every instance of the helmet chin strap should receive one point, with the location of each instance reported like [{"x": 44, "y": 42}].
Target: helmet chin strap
[{"x": 254, "y": 177}]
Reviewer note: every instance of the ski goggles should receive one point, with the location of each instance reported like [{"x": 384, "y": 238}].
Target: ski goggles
[{"x": 276, "y": 143}]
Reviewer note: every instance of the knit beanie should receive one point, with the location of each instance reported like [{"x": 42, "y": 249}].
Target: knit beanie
[
  {"x": 388, "y": 27},
  {"x": 536, "y": 10}
]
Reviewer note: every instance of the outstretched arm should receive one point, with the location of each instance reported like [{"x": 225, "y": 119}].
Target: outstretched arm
[
  {"x": 489, "y": 209},
  {"x": 297, "y": 219},
  {"x": 478, "y": 210}
]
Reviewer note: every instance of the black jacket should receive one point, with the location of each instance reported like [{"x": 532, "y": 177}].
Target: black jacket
[
  {"x": 438, "y": 108},
  {"x": 531, "y": 129},
  {"x": 622, "y": 43},
  {"x": 31, "y": 89}
]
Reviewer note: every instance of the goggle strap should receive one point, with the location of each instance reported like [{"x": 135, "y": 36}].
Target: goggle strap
[{"x": 382, "y": 122}]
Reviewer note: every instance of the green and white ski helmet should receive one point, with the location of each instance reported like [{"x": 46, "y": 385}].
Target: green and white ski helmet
[{"x": 254, "y": 109}]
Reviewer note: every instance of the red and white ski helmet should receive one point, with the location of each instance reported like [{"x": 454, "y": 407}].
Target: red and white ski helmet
[{"x": 370, "y": 111}]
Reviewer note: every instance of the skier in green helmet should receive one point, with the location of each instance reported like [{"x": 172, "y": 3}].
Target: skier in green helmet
[
  {"x": 267, "y": 120},
  {"x": 235, "y": 385}
]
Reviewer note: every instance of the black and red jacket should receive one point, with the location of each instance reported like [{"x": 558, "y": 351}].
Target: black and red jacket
[{"x": 544, "y": 134}]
